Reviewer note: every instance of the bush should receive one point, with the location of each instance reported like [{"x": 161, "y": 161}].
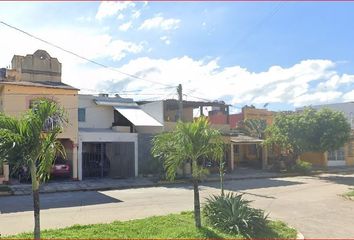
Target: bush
[
  {"x": 232, "y": 214},
  {"x": 302, "y": 167}
]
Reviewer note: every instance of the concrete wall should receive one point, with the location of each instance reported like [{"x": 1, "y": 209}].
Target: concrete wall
[
  {"x": 96, "y": 116},
  {"x": 255, "y": 113},
  {"x": 154, "y": 109},
  {"x": 316, "y": 158},
  {"x": 39, "y": 66},
  {"x": 187, "y": 115}
]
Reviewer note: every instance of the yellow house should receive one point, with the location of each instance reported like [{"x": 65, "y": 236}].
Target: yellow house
[{"x": 39, "y": 75}]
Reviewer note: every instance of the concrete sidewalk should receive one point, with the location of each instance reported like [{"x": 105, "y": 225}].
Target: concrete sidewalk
[{"x": 111, "y": 184}]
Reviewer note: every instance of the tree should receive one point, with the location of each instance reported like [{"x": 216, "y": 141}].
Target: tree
[
  {"x": 309, "y": 130},
  {"x": 253, "y": 127},
  {"x": 32, "y": 141},
  {"x": 192, "y": 143}
]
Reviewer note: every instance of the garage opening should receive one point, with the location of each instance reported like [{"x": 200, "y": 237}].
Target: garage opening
[{"x": 108, "y": 159}]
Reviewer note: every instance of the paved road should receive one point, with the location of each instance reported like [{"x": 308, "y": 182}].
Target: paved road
[{"x": 311, "y": 204}]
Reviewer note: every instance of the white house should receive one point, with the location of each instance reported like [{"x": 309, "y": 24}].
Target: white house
[{"x": 109, "y": 129}]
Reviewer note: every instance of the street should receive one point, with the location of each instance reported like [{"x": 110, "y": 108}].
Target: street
[{"x": 309, "y": 203}]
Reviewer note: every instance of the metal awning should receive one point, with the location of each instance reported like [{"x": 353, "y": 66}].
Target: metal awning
[
  {"x": 138, "y": 117},
  {"x": 242, "y": 139}
]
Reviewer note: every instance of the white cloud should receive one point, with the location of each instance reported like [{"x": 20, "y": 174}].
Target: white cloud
[
  {"x": 110, "y": 8},
  {"x": 125, "y": 26},
  {"x": 158, "y": 22},
  {"x": 136, "y": 14},
  {"x": 120, "y": 17},
  {"x": 295, "y": 85},
  {"x": 166, "y": 40}
]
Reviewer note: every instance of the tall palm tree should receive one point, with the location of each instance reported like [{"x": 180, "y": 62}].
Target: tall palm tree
[
  {"x": 32, "y": 141},
  {"x": 192, "y": 143}
]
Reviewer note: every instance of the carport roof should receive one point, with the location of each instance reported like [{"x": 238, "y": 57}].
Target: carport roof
[{"x": 243, "y": 139}]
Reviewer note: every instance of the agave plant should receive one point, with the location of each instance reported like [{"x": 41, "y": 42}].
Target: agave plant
[{"x": 232, "y": 214}]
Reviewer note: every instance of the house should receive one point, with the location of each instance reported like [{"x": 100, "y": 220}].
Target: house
[
  {"x": 39, "y": 75},
  {"x": 343, "y": 156},
  {"x": 166, "y": 112},
  {"x": 113, "y": 134},
  {"x": 245, "y": 150}
]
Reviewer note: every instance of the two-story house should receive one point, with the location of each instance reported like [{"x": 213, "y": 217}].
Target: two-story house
[
  {"x": 112, "y": 135},
  {"x": 39, "y": 75}
]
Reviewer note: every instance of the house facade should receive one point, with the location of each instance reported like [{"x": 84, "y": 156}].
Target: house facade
[
  {"x": 343, "y": 156},
  {"x": 110, "y": 130},
  {"x": 39, "y": 75}
]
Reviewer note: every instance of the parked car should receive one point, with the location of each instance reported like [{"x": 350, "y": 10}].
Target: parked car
[{"x": 61, "y": 168}]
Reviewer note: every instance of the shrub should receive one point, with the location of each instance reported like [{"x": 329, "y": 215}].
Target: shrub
[
  {"x": 233, "y": 214},
  {"x": 302, "y": 167}
]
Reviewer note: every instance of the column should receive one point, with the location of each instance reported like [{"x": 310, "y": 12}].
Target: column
[
  {"x": 232, "y": 157},
  {"x": 79, "y": 160},
  {"x": 264, "y": 157}
]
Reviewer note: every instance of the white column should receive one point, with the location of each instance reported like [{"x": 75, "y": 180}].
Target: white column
[{"x": 75, "y": 161}]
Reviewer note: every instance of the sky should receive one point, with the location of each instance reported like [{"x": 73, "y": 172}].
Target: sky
[{"x": 283, "y": 54}]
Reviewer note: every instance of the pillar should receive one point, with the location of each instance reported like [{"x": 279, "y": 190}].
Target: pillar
[
  {"x": 232, "y": 157},
  {"x": 75, "y": 161},
  {"x": 6, "y": 172},
  {"x": 79, "y": 160},
  {"x": 264, "y": 157}
]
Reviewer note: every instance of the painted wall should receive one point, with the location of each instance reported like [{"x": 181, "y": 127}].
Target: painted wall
[
  {"x": 96, "y": 116},
  {"x": 154, "y": 109},
  {"x": 255, "y": 113},
  {"x": 16, "y": 100},
  {"x": 316, "y": 158}
]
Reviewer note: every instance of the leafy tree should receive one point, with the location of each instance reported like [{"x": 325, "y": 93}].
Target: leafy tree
[
  {"x": 309, "y": 130},
  {"x": 32, "y": 141},
  {"x": 253, "y": 127},
  {"x": 192, "y": 143}
]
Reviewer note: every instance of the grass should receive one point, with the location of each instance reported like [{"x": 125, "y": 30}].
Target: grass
[
  {"x": 349, "y": 195},
  {"x": 169, "y": 226}
]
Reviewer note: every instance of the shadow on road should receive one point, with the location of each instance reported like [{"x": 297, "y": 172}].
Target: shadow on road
[
  {"x": 346, "y": 179},
  {"x": 54, "y": 200}
]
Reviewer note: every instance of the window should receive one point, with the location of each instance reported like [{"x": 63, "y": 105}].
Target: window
[
  {"x": 337, "y": 155},
  {"x": 82, "y": 114}
]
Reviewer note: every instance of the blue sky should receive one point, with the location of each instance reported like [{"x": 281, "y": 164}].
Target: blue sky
[{"x": 287, "y": 54}]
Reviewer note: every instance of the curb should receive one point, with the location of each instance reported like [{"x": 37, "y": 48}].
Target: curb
[{"x": 180, "y": 181}]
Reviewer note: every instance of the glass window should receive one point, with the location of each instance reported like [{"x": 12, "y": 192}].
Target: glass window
[
  {"x": 337, "y": 155},
  {"x": 82, "y": 114}
]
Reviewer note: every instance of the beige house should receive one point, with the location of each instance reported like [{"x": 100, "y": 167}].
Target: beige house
[{"x": 39, "y": 75}]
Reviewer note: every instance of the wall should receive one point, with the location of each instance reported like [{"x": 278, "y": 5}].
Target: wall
[
  {"x": 187, "y": 115},
  {"x": 96, "y": 116},
  {"x": 16, "y": 100},
  {"x": 316, "y": 158},
  {"x": 154, "y": 109},
  {"x": 254, "y": 113}
]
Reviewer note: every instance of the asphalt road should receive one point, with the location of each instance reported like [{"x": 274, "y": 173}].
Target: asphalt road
[{"x": 313, "y": 205}]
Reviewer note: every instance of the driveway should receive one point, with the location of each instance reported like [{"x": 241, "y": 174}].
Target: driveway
[{"x": 310, "y": 204}]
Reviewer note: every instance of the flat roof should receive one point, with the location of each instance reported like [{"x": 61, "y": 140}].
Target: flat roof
[{"x": 46, "y": 84}]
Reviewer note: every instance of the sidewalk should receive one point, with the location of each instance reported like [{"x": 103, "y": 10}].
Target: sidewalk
[{"x": 110, "y": 184}]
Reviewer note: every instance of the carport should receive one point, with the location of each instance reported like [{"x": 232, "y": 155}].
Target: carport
[{"x": 248, "y": 151}]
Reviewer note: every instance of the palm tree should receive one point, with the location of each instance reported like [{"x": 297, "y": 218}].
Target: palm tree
[
  {"x": 32, "y": 141},
  {"x": 253, "y": 127},
  {"x": 192, "y": 143}
]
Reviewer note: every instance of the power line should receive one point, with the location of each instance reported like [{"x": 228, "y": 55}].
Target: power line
[{"x": 81, "y": 57}]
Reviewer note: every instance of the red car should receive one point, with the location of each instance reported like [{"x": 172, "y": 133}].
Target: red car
[{"x": 61, "y": 168}]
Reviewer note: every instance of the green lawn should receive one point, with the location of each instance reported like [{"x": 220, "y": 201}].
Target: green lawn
[{"x": 169, "y": 226}]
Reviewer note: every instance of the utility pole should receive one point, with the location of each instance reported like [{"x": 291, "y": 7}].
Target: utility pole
[{"x": 180, "y": 102}]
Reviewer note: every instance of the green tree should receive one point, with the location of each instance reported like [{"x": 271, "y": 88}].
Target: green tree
[
  {"x": 32, "y": 141},
  {"x": 309, "y": 130},
  {"x": 192, "y": 143}
]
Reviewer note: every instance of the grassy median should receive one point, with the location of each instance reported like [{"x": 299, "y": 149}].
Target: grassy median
[{"x": 169, "y": 226}]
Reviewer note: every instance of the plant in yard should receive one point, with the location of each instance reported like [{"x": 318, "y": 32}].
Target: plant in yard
[
  {"x": 32, "y": 141},
  {"x": 192, "y": 143},
  {"x": 232, "y": 214},
  {"x": 302, "y": 167},
  {"x": 310, "y": 130}
]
